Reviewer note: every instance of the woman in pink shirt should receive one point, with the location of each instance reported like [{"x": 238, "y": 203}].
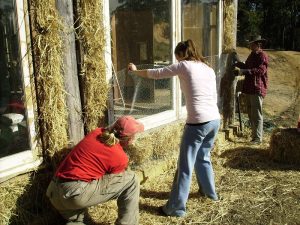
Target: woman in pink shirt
[{"x": 198, "y": 84}]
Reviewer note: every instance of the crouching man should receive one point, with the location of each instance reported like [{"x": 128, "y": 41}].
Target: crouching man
[{"x": 94, "y": 172}]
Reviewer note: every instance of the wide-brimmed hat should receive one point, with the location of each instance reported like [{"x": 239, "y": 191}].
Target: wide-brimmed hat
[
  {"x": 127, "y": 126},
  {"x": 257, "y": 39}
]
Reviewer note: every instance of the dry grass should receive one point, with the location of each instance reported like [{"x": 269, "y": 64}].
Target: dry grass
[{"x": 252, "y": 189}]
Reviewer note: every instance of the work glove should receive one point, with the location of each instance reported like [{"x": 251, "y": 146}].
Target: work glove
[
  {"x": 237, "y": 71},
  {"x": 244, "y": 71}
]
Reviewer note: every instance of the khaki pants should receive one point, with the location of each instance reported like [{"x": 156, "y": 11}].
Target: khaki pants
[
  {"x": 72, "y": 198},
  {"x": 254, "y": 108}
]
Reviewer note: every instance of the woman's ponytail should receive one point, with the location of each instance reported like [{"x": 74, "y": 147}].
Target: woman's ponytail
[
  {"x": 187, "y": 50},
  {"x": 108, "y": 138}
]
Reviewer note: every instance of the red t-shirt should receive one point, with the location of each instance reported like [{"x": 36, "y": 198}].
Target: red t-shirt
[{"x": 90, "y": 159}]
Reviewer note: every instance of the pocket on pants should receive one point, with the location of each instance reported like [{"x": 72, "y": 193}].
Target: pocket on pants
[
  {"x": 72, "y": 189},
  {"x": 114, "y": 183}
]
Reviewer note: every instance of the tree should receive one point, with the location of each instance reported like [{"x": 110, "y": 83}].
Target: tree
[{"x": 275, "y": 20}]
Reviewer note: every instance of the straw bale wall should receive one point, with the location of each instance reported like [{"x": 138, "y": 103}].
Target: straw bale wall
[
  {"x": 47, "y": 64},
  {"x": 91, "y": 40},
  {"x": 285, "y": 146}
]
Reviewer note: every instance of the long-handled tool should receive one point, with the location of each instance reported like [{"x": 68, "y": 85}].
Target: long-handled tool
[{"x": 239, "y": 110}]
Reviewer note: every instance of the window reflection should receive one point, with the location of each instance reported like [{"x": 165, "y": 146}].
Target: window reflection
[
  {"x": 199, "y": 21},
  {"x": 13, "y": 126},
  {"x": 140, "y": 34}
]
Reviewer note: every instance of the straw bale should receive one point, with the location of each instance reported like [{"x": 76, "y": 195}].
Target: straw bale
[
  {"x": 23, "y": 200},
  {"x": 285, "y": 145},
  {"x": 47, "y": 50},
  {"x": 141, "y": 151},
  {"x": 156, "y": 144},
  {"x": 90, "y": 32},
  {"x": 229, "y": 28}
]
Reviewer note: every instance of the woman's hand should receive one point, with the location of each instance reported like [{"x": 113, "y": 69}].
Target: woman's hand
[
  {"x": 132, "y": 67},
  {"x": 142, "y": 73}
]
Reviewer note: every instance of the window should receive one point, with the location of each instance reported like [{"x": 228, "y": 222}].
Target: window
[
  {"x": 16, "y": 109},
  {"x": 141, "y": 33},
  {"x": 146, "y": 33}
]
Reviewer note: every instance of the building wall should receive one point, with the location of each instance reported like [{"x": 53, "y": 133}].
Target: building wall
[{"x": 151, "y": 147}]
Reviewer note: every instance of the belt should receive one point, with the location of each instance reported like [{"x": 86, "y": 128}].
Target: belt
[
  {"x": 197, "y": 124},
  {"x": 61, "y": 180}
]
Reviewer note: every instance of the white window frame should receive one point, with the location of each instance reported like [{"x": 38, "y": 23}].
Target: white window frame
[{"x": 28, "y": 160}]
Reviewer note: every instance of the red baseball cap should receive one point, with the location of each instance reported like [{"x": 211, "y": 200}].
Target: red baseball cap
[{"x": 128, "y": 126}]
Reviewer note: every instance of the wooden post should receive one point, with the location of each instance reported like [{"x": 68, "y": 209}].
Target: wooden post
[
  {"x": 70, "y": 73},
  {"x": 206, "y": 30}
]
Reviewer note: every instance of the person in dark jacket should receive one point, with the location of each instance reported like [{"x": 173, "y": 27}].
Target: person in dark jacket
[
  {"x": 255, "y": 85},
  {"x": 95, "y": 172}
]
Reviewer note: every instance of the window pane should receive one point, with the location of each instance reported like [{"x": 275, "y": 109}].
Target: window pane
[
  {"x": 13, "y": 126},
  {"x": 200, "y": 24},
  {"x": 140, "y": 34}
]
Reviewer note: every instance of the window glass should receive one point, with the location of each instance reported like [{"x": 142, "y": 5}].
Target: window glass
[
  {"x": 140, "y": 32},
  {"x": 14, "y": 136},
  {"x": 199, "y": 23}
]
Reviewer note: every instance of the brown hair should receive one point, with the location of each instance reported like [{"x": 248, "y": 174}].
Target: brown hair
[
  {"x": 111, "y": 136},
  {"x": 108, "y": 137},
  {"x": 187, "y": 51}
]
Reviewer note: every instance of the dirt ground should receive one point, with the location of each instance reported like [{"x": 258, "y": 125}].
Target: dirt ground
[{"x": 252, "y": 188}]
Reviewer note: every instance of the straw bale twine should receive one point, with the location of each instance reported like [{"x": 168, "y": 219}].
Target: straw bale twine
[
  {"x": 285, "y": 145},
  {"x": 90, "y": 32},
  {"x": 47, "y": 51}
]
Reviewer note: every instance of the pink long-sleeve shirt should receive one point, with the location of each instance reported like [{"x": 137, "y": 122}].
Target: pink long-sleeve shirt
[{"x": 198, "y": 84}]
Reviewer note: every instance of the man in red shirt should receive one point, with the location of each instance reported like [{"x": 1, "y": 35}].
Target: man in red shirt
[
  {"x": 255, "y": 85},
  {"x": 94, "y": 172}
]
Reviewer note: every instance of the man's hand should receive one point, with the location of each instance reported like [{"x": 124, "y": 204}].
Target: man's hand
[
  {"x": 236, "y": 71},
  {"x": 131, "y": 67},
  {"x": 244, "y": 71}
]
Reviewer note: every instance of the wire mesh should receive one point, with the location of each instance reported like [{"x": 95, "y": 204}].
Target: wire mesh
[{"x": 140, "y": 97}]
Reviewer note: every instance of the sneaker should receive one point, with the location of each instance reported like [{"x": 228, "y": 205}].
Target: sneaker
[
  {"x": 256, "y": 141},
  {"x": 162, "y": 212}
]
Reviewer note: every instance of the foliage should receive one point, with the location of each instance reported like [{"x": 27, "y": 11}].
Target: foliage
[{"x": 275, "y": 20}]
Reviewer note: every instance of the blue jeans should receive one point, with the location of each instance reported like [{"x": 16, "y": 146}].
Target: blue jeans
[{"x": 196, "y": 144}]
